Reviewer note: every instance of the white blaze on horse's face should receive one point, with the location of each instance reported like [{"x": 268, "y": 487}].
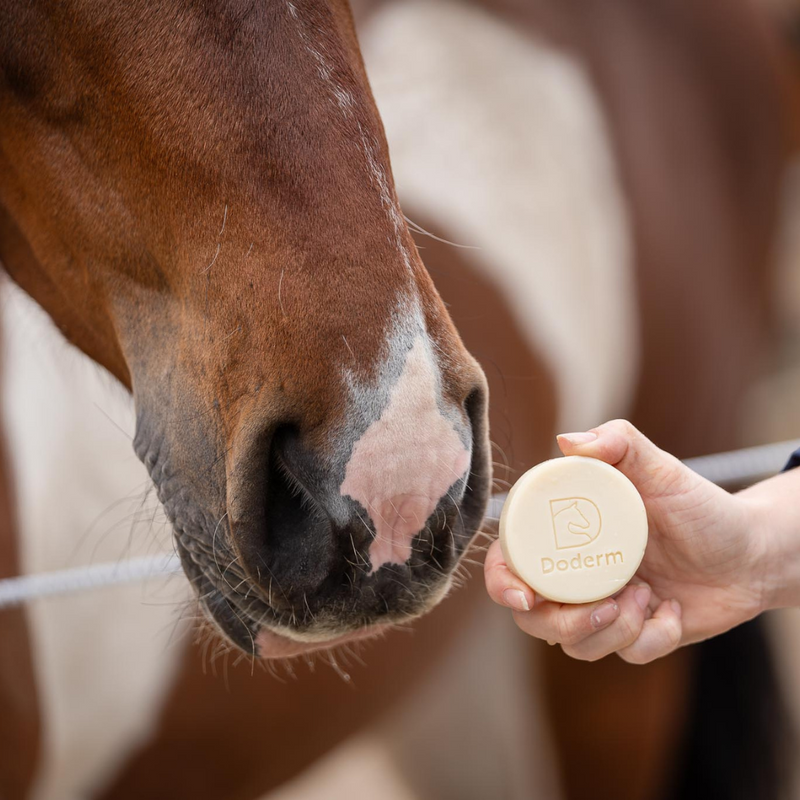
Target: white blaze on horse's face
[{"x": 407, "y": 459}]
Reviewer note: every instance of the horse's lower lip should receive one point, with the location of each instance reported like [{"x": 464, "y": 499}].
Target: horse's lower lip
[{"x": 274, "y": 645}]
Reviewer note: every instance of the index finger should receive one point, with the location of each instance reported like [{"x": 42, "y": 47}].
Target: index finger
[{"x": 503, "y": 586}]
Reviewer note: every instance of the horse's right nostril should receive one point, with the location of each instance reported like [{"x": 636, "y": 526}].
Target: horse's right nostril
[{"x": 298, "y": 546}]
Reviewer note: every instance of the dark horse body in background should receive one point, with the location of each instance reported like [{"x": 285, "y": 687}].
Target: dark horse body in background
[{"x": 216, "y": 178}]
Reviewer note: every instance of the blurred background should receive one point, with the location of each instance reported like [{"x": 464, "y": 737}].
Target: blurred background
[{"x": 772, "y": 407}]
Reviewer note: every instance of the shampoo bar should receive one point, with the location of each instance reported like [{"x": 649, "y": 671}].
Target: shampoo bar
[{"x": 574, "y": 529}]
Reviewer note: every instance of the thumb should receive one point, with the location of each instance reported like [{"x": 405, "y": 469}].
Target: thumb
[{"x": 620, "y": 444}]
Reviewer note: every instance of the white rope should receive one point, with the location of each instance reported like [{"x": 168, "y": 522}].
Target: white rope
[
  {"x": 15, "y": 591},
  {"x": 736, "y": 467},
  {"x": 740, "y": 467}
]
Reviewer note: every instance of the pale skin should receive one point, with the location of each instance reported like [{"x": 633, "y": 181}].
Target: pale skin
[{"x": 713, "y": 559}]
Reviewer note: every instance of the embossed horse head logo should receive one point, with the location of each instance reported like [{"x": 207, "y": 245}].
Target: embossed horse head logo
[{"x": 576, "y": 521}]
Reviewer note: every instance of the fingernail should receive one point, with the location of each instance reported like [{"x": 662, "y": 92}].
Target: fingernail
[
  {"x": 516, "y": 599},
  {"x": 676, "y": 607},
  {"x": 604, "y": 615},
  {"x": 642, "y": 597},
  {"x": 578, "y": 438}
]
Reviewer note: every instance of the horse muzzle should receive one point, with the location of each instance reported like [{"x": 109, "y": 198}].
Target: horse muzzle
[{"x": 322, "y": 544}]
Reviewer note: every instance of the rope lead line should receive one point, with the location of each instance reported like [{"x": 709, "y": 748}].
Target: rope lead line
[
  {"x": 736, "y": 467},
  {"x": 744, "y": 466},
  {"x": 15, "y": 591}
]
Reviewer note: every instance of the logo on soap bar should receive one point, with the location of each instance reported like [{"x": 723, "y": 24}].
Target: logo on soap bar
[{"x": 576, "y": 521}]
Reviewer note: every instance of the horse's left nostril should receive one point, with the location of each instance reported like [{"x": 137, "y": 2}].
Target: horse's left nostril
[{"x": 476, "y": 491}]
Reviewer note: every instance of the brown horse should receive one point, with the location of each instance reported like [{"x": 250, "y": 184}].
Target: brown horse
[
  {"x": 314, "y": 412},
  {"x": 219, "y": 176},
  {"x": 315, "y": 428}
]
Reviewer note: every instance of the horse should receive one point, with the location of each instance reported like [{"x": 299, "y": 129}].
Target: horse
[
  {"x": 302, "y": 499},
  {"x": 160, "y": 170},
  {"x": 572, "y": 526}
]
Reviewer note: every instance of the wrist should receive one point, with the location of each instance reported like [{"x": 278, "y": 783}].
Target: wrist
[
  {"x": 772, "y": 522},
  {"x": 765, "y": 566}
]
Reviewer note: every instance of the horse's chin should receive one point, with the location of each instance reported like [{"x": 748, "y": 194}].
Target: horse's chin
[{"x": 272, "y": 645}]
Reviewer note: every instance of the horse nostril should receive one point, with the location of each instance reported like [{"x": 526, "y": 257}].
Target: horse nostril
[
  {"x": 476, "y": 493},
  {"x": 475, "y": 405},
  {"x": 298, "y": 547}
]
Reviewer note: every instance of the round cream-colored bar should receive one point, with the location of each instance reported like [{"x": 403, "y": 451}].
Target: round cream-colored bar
[{"x": 574, "y": 529}]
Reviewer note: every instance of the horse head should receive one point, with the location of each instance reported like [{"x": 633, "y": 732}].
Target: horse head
[
  {"x": 199, "y": 194},
  {"x": 571, "y": 525},
  {"x": 578, "y": 522}
]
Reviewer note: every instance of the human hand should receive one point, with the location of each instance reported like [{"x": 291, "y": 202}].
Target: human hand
[{"x": 702, "y": 572}]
